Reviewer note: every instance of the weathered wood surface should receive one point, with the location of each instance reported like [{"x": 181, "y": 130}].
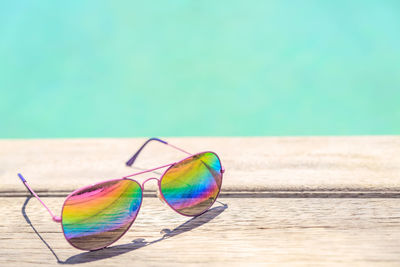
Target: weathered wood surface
[
  {"x": 299, "y": 200},
  {"x": 248, "y": 231},
  {"x": 252, "y": 164}
]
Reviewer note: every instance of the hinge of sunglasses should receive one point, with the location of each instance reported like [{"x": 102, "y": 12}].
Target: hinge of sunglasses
[
  {"x": 54, "y": 217},
  {"x": 57, "y": 219},
  {"x": 222, "y": 169}
]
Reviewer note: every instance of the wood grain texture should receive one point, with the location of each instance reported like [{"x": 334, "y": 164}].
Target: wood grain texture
[
  {"x": 370, "y": 163},
  {"x": 286, "y": 201},
  {"x": 245, "y": 232}
]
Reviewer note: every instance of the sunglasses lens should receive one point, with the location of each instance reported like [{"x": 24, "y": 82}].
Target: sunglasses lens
[
  {"x": 191, "y": 186},
  {"x": 95, "y": 217}
]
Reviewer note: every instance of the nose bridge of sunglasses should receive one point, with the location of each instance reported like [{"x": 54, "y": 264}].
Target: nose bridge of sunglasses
[{"x": 158, "y": 193}]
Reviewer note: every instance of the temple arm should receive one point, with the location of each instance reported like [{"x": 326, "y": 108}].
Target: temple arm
[
  {"x": 55, "y": 218},
  {"x": 133, "y": 158}
]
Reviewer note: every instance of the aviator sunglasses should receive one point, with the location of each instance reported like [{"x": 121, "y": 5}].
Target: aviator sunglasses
[{"x": 95, "y": 216}]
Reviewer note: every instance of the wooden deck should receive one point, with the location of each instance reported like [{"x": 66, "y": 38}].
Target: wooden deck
[{"x": 298, "y": 200}]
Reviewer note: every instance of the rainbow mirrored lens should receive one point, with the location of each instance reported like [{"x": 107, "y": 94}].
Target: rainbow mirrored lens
[
  {"x": 192, "y": 185},
  {"x": 96, "y": 216}
]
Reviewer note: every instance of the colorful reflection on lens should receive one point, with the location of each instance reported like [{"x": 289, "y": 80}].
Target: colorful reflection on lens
[
  {"x": 95, "y": 217},
  {"x": 192, "y": 185}
]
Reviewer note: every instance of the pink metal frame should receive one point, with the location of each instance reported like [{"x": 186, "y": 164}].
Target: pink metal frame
[{"x": 58, "y": 219}]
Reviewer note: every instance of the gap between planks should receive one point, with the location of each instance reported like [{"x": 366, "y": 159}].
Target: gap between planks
[{"x": 250, "y": 194}]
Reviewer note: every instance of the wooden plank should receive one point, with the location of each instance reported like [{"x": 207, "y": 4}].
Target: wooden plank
[
  {"x": 248, "y": 231},
  {"x": 291, "y": 200},
  {"x": 257, "y": 164}
]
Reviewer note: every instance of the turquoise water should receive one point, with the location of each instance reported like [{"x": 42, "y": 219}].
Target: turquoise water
[{"x": 199, "y": 68}]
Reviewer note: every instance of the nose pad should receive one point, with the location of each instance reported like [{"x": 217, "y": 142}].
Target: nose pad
[{"x": 159, "y": 196}]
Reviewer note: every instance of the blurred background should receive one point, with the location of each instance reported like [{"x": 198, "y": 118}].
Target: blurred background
[{"x": 199, "y": 68}]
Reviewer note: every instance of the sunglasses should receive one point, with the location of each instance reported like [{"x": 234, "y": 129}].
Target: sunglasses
[{"x": 96, "y": 216}]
